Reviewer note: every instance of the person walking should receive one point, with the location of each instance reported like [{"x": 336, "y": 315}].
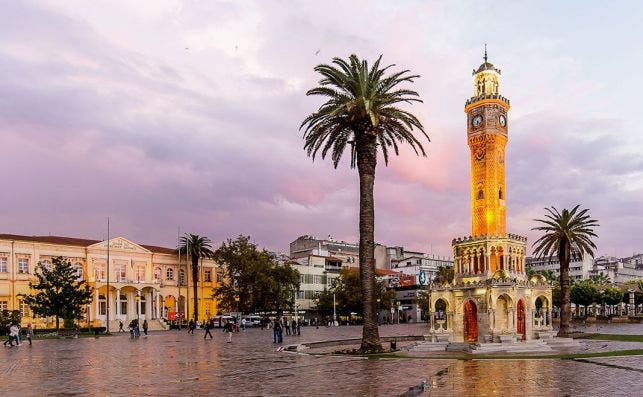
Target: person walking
[
  {"x": 191, "y": 327},
  {"x": 294, "y": 327},
  {"x": 287, "y": 326},
  {"x": 120, "y": 326},
  {"x": 227, "y": 328},
  {"x": 207, "y": 327},
  {"x": 243, "y": 324},
  {"x": 8, "y": 333},
  {"x": 299, "y": 328},
  {"x": 13, "y": 335},
  {"x": 145, "y": 327},
  {"x": 29, "y": 333}
]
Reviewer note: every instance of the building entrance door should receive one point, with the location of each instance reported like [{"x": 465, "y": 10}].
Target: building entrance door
[
  {"x": 470, "y": 322},
  {"x": 521, "y": 320}
]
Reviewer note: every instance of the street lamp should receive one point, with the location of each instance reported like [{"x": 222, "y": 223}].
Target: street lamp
[
  {"x": 334, "y": 311},
  {"x": 378, "y": 310},
  {"x": 138, "y": 300}
]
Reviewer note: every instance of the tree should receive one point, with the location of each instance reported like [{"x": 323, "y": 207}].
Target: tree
[
  {"x": 252, "y": 281},
  {"x": 611, "y": 295},
  {"x": 361, "y": 114},
  {"x": 444, "y": 275},
  {"x": 583, "y": 293},
  {"x": 550, "y": 275},
  {"x": 566, "y": 234},
  {"x": 349, "y": 296},
  {"x": 196, "y": 247},
  {"x": 58, "y": 291},
  {"x": 600, "y": 279}
]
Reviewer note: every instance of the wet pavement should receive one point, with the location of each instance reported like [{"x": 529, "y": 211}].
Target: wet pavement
[{"x": 172, "y": 363}]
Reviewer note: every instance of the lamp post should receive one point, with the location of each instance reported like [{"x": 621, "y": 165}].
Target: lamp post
[
  {"x": 138, "y": 300},
  {"x": 334, "y": 311},
  {"x": 378, "y": 310}
]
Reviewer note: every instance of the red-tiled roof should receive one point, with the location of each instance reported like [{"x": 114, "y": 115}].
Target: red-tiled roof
[{"x": 77, "y": 242}]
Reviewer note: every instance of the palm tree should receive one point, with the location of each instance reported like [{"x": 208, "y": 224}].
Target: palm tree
[
  {"x": 567, "y": 234},
  {"x": 600, "y": 279},
  {"x": 360, "y": 114},
  {"x": 196, "y": 247}
]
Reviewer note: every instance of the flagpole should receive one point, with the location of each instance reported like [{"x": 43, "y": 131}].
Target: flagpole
[
  {"x": 107, "y": 293},
  {"x": 178, "y": 278}
]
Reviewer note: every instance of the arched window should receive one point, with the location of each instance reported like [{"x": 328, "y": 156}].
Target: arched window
[
  {"x": 46, "y": 264},
  {"x": 500, "y": 196},
  {"x": 480, "y": 194},
  {"x": 169, "y": 273},
  {"x": 102, "y": 305},
  {"x": 182, "y": 277}
]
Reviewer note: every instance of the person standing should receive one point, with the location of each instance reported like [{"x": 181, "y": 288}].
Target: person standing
[
  {"x": 243, "y": 324},
  {"x": 287, "y": 326},
  {"x": 275, "y": 330},
  {"x": 299, "y": 328},
  {"x": 294, "y": 326},
  {"x": 145, "y": 327},
  {"x": 207, "y": 327},
  {"x": 120, "y": 326},
  {"x": 228, "y": 330},
  {"x": 29, "y": 333}
]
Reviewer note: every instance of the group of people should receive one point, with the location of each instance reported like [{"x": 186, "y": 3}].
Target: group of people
[
  {"x": 279, "y": 325},
  {"x": 13, "y": 331},
  {"x": 134, "y": 328}
]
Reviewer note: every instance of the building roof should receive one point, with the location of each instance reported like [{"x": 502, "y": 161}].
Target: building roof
[{"x": 76, "y": 242}]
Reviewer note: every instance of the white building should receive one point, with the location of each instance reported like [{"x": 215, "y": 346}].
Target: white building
[
  {"x": 578, "y": 269},
  {"x": 619, "y": 270}
]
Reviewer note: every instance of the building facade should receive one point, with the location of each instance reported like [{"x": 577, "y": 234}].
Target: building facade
[
  {"x": 145, "y": 282},
  {"x": 490, "y": 298},
  {"x": 619, "y": 270},
  {"x": 579, "y": 269}
]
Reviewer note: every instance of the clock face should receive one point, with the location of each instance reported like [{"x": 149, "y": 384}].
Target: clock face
[
  {"x": 503, "y": 120},
  {"x": 477, "y": 120}
]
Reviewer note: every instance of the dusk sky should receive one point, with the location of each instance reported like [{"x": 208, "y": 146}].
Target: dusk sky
[{"x": 186, "y": 114}]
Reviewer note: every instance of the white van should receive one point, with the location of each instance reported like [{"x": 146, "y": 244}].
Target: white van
[
  {"x": 252, "y": 320},
  {"x": 219, "y": 321}
]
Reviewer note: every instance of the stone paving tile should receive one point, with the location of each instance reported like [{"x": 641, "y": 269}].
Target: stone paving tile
[{"x": 173, "y": 363}]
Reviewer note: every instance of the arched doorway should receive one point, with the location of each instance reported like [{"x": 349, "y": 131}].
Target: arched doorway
[
  {"x": 440, "y": 316},
  {"x": 521, "y": 319},
  {"x": 470, "y": 322}
]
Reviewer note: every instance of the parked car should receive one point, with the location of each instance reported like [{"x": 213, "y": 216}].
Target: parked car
[{"x": 219, "y": 321}]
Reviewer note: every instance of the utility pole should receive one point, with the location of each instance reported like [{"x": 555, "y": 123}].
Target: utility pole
[{"x": 107, "y": 293}]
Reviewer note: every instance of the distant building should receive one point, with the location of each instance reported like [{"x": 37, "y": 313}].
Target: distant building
[
  {"x": 347, "y": 253},
  {"x": 578, "y": 269},
  {"x": 414, "y": 263},
  {"x": 619, "y": 270}
]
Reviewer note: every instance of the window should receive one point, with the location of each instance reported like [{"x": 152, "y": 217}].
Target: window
[
  {"x": 46, "y": 264},
  {"x": 169, "y": 273},
  {"x": 182, "y": 277},
  {"x": 4, "y": 305},
  {"x": 157, "y": 273},
  {"x": 99, "y": 271},
  {"x": 23, "y": 265},
  {"x": 3, "y": 265},
  {"x": 121, "y": 273},
  {"x": 500, "y": 194},
  {"x": 123, "y": 304},
  {"x": 418, "y": 262},
  {"x": 140, "y": 273},
  {"x": 79, "y": 270},
  {"x": 24, "y": 309},
  {"x": 207, "y": 276},
  {"x": 219, "y": 277},
  {"x": 302, "y": 279},
  {"x": 480, "y": 195},
  {"x": 102, "y": 305},
  {"x": 142, "y": 300},
  {"x": 317, "y": 279}
]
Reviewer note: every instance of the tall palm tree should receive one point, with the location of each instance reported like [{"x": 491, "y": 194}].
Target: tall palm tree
[
  {"x": 567, "y": 234},
  {"x": 196, "y": 247},
  {"x": 360, "y": 114}
]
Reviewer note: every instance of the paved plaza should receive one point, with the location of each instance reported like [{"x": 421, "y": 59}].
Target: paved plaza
[{"x": 175, "y": 363}]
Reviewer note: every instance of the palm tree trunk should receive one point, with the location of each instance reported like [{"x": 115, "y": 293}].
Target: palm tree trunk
[
  {"x": 366, "y": 163},
  {"x": 565, "y": 307},
  {"x": 195, "y": 279}
]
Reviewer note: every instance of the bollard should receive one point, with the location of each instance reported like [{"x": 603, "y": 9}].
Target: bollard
[{"x": 393, "y": 345}]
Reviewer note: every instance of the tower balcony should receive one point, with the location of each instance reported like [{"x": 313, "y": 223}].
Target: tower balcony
[{"x": 483, "y": 97}]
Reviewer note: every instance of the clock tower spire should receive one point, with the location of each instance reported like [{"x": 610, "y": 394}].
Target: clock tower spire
[{"x": 487, "y": 137}]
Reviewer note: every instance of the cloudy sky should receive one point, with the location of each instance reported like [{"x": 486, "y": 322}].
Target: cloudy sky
[{"x": 185, "y": 114}]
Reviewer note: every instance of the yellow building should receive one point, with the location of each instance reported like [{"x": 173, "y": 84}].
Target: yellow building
[
  {"x": 490, "y": 298},
  {"x": 144, "y": 280}
]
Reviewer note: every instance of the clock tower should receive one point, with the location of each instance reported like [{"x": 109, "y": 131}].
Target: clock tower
[{"x": 487, "y": 137}]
